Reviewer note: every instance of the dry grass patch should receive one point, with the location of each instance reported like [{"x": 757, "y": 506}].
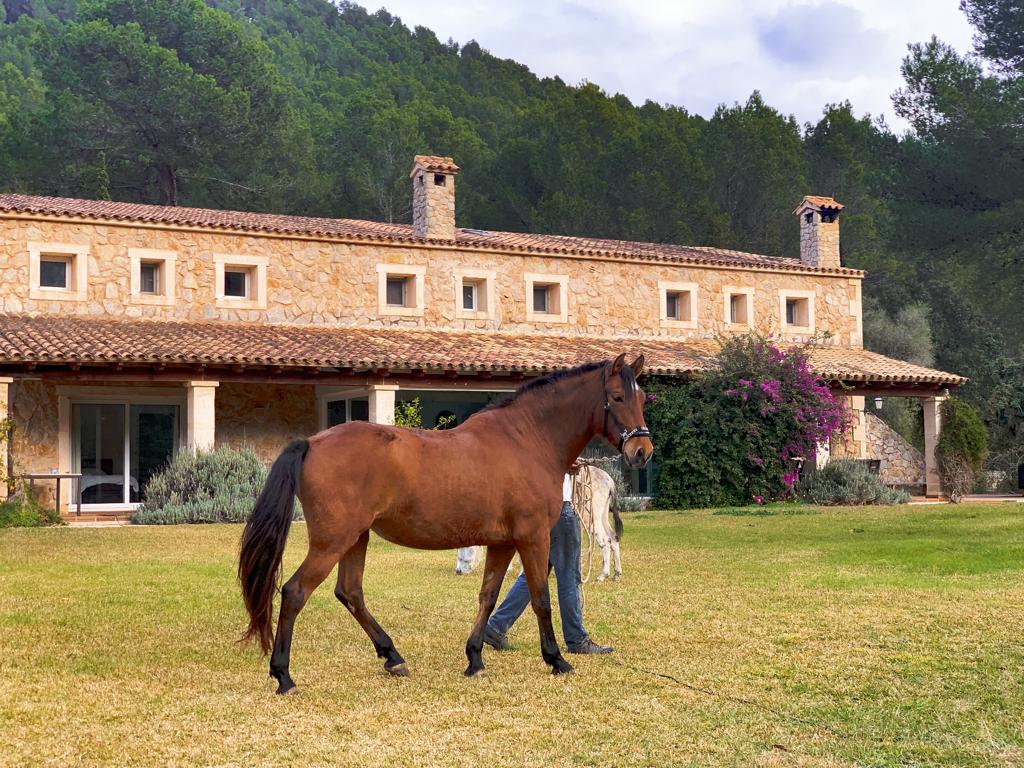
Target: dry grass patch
[{"x": 841, "y": 637}]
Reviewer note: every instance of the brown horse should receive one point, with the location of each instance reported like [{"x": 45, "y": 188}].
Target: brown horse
[{"x": 495, "y": 480}]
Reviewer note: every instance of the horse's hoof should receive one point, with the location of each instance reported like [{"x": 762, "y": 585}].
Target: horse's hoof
[
  {"x": 601, "y": 578},
  {"x": 283, "y": 690},
  {"x": 616, "y": 577},
  {"x": 564, "y": 668},
  {"x": 470, "y": 672},
  {"x": 398, "y": 670}
]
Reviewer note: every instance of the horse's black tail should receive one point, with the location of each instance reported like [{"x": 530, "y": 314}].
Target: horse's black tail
[
  {"x": 259, "y": 561},
  {"x": 616, "y": 517}
]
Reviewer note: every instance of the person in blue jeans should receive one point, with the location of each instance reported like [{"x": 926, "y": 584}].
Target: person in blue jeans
[{"x": 564, "y": 559}]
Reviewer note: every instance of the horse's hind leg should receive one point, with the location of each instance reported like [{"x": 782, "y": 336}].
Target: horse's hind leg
[
  {"x": 294, "y": 594},
  {"x": 350, "y": 592},
  {"x": 618, "y": 558},
  {"x": 535, "y": 565},
  {"x": 498, "y": 559}
]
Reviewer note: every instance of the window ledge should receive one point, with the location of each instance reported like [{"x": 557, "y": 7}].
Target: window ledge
[
  {"x": 387, "y": 311},
  {"x": 679, "y": 324},
  {"x": 56, "y": 294}
]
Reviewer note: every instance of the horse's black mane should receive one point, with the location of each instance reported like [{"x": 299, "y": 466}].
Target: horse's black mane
[{"x": 551, "y": 378}]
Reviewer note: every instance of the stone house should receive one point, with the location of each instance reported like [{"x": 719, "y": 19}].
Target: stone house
[{"x": 129, "y": 332}]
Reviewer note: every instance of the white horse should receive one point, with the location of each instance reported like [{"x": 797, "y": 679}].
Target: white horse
[{"x": 594, "y": 497}]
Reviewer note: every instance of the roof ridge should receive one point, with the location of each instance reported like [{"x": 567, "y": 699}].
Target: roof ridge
[{"x": 363, "y": 229}]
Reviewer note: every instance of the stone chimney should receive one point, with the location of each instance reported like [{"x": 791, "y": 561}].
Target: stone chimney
[
  {"x": 819, "y": 231},
  {"x": 433, "y": 197}
]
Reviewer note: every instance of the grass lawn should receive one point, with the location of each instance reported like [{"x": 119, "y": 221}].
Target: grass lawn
[{"x": 887, "y": 636}]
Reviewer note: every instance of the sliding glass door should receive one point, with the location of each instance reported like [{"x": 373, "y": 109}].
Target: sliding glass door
[{"x": 118, "y": 446}]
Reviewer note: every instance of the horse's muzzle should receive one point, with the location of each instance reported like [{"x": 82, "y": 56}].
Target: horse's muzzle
[{"x": 637, "y": 452}]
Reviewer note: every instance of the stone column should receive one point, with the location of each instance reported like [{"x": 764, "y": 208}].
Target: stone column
[
  {"x": 201, "y": 421},
  {"x": 382, "y": 403},
  {"x": 5, "y": 448},
  {"x": 853, "y": 443},
  {"x": 932, "y": 428}
]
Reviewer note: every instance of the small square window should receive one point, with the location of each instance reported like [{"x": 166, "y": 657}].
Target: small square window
[
  {"x": 677, "y": 305},
  {"x": 149, "y": 277},
  {"x": 397, "y": 293},
  {"x": 470, "y": 298},
  {"x": 792, "y": 311},
  {"x": 542, "y": 298},
  {"x": 53, "y": 273},
  {"x": 236, "y": 283},
  {"x": 796, "y": 310},
  {"x": 738, "y": 309}
]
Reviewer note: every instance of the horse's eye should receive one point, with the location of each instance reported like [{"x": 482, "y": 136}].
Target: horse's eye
[{"x": 617, "y": 398}]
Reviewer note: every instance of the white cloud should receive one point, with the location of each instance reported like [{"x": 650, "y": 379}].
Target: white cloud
[{"x": 801, "y": 54}]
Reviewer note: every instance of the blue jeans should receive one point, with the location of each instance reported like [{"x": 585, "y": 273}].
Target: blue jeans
[{"x": 565, "y": 560}]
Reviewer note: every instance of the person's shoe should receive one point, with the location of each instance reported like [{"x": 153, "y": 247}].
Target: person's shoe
[
  {"x": 589, "y": 646},
  {"x": 495, "y": 639}
]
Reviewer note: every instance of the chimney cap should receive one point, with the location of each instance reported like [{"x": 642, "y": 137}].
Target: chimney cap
[
  {"x": 817, "y": 203},
  {"x": 433, "y": 164}
]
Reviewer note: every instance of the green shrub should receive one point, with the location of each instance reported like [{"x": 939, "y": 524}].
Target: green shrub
[
  {"x": 218, "y": 486},
  {"x": 962, "y": 448},
  {"x": 23, "y": 512},
  {"x": 847, "y": 482},
  {"x": 738, "y": 433}
]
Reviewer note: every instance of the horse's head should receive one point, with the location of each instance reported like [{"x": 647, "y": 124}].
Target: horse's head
[{"x": 624, "y": 425}]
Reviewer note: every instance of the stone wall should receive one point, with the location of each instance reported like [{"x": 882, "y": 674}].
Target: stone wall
[
  {"x": 902, "y": 463},
  {"x": 321, "y": 282},
  {"x": 264, "y": 417}
]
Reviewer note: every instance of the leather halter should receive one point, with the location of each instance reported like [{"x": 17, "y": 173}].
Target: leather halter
[{"x": 624, "y": 434}]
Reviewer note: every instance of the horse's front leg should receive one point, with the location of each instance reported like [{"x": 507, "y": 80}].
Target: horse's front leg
[
  {"x": 498, "y": 559},
  {"x": 535, "y": 555}
]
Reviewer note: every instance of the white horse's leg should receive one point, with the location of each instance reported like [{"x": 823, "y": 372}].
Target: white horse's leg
[{"x": 618, "y": 559}]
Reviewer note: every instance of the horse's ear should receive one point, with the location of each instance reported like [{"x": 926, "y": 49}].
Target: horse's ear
[
  {"x": 638, "y": 366},
  {"x": 618, "y": 362}
]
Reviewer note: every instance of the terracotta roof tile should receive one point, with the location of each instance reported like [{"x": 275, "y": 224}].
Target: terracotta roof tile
[
  {"x": 435, "y": 163},
  {"x": 54, "y": 339},
  {"x": 353, "y": 229},
  {"x": 817, "y": 202}
]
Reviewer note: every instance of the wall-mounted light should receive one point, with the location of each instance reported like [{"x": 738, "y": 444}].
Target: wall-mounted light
[{"x": 878, "y": 403}]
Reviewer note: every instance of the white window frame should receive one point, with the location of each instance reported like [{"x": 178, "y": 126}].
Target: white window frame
[
  {"x": 728, "y": 292},
  {"x": 666, "y": 287},
  {"x": 256, "y": 266},
  {"x": 165, "y": 296},
  {"x": 414, "y": 273},
  {"x": 77, "y": 257},
  {"x": 485, "y": 280},
  {"x": 70, "y": 395},
  {"x": 561, "y": 284},
  {"x": 798, "y": 330}
]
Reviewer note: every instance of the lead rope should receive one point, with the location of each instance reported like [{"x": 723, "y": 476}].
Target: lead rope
[{"x": 583, "y": 503}]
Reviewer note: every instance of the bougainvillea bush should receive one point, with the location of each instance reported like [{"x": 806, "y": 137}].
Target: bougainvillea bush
[{"x": 737, "y": 434}]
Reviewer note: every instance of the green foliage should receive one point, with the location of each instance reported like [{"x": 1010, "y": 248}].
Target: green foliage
[
  {"x": 963, "y": 433},
  {"x": 409, "y": 413},
  {"x": 218, "y": 486},
  {"x": 23, "y": 511},
  {"x": 847, "y": 482},
  {"x": 738, "y": 434},
  {"x": 962, "y": 447}
]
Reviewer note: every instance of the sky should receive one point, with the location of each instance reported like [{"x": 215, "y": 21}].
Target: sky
[{"x": 800, "y": 54}]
